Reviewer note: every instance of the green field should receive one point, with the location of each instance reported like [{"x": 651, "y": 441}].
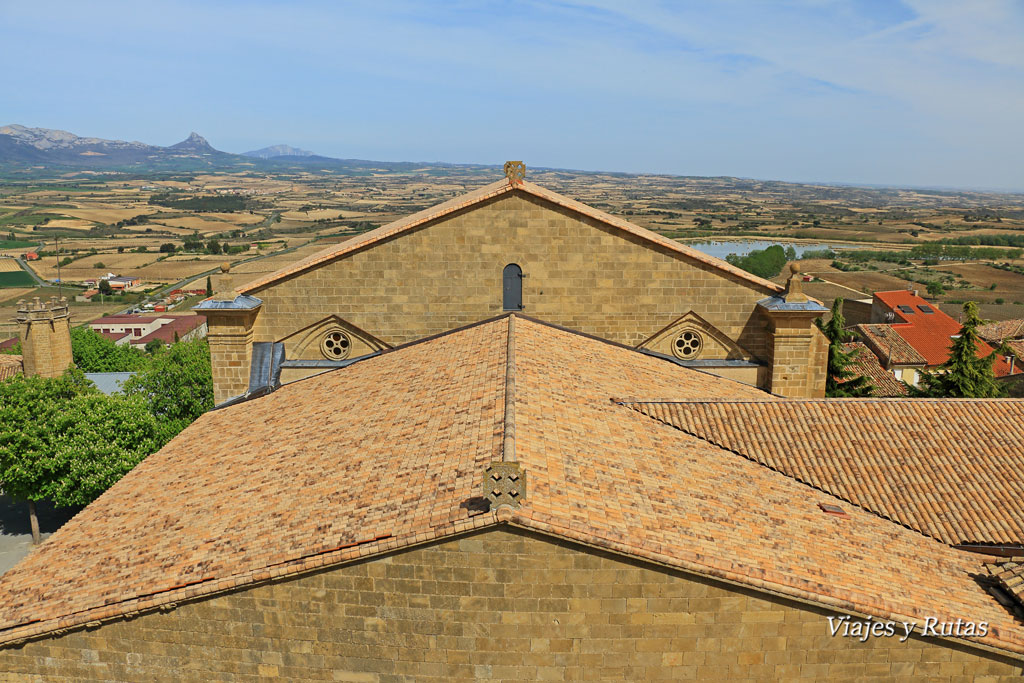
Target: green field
[
  {"x": 27, "y": 218},
  {"x": 16, "y": 244},
  {"x": 17, "y": 278}
]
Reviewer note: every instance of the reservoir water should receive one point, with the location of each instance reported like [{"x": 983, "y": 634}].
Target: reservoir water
[{"x": 722, "y": 248}]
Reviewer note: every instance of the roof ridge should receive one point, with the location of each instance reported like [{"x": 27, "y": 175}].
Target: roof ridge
[{"x": 508, "y": 446}]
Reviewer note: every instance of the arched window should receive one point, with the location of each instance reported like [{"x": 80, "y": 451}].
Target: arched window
[{"x": 512, "y": 288}]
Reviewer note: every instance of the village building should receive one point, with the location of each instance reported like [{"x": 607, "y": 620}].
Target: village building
[
  {"x": 512, "y": 246},
  {"x": 909, "y": 334},
  {"x": 139, "y": 330},
  {"x": 513, "y": 500}
]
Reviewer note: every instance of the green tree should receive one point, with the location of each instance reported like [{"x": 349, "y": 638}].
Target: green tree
[
  {"x": 213, "y": 247},
  {"x": 935, "y": 288},
  {"x": 28, "y": 408},
  {"x": 95, "y": 440},
  {"x": 965, "y": 374},
  {"x": 840, "y": 381},
  {"x": 92, "y": 352},
  {"x": 154, "y": 345},
  {"x": 176, "y": 386},
  {"x": 209, "y": 286},
  {"x": 790, "y": 253},
  {"x": 105, "y": 288},
  {"x": 167, "y": 248}
]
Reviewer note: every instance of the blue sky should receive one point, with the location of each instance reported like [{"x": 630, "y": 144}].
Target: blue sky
[{"x": 920, "y": 92}]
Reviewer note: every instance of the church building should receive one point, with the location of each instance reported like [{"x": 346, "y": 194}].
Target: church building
[
  {"x": 514, "y": 438},
  {"x": 513, "y": 246}
]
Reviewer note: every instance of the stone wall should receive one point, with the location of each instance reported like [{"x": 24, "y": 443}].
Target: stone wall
[
  {"x": 499, "y": 605},
  {"x": 577, "y": 272}
]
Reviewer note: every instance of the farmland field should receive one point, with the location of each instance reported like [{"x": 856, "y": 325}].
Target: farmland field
[
  {"x": 313, "y": 210},
  {"x": 9, "y": 265},
  {"x": 15, "y": 279}
]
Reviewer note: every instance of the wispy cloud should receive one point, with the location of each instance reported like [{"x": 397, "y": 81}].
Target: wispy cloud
[{"x": 920, "y": 91}]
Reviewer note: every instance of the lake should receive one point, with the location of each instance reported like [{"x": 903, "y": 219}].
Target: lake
[{"x": 722, "y": 248}]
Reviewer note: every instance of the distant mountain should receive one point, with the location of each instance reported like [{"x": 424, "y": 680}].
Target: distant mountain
[
  {"x": 275, "y": 151},
  {"x": 39, "y": 150},
  {"x": 21, "y": 146},
  {"x": 195, "y": 143}
]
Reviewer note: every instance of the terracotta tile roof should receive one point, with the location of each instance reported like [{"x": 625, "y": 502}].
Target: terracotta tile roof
[
  {"x": 888, "y": 346},
  {"x": 391, "y": 452},
  {"x": 867, "y": 364},
  {"x": 930, "y": 334},
  {"x": 1009, "y": 575},
  {"x": 481, "y": 195},
  {"x": 10, "y": 365},
  {"x": 1002, "y": 329},
  {"x": 181, "y": 324},
  {"x": 952, "y": 469}
]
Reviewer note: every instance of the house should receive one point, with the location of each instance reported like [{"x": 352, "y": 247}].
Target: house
[
  {"x": 123, "y": 283},
  {"x": 866, "y": 363},
  {"x": 30, "y": 256},
  {"x": 87, "y": 295},
  {"x": 516, "y": 500},
  {"x": 138, "y": 330},
  {"x": 909, "y": 334},
  {"x": 513, "y": 245}
]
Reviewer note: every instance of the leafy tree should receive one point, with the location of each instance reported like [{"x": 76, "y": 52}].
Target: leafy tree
[
  {"x": 28, "y": 407},
  {"x": 965, "y": 374},
  {"x": 154, "y": 345},
  {"x": 790, "y": 253},
  {"x": 935, "y": 288},
  {"x": 105, "y": 288},
  {"x": 840, "y": 380},
  {"x": 92, "y": 352},
  {"x": 176, "y": 386},
  {"x": 167, "y": 248},
  {"x": 96, "y": 440},
  {"x": 766, "y": 263},
  {"x": 213, "y": 247}
]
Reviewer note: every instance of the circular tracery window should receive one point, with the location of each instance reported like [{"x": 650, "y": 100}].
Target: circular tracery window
[
  {"x": 687, "y": 345},
  {"x": 335, "y": 345}
]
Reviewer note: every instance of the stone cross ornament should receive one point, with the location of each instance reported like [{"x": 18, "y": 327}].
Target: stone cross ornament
[
  {"x": 504, "y": 484},
  {"x": 515, "y": 171}
]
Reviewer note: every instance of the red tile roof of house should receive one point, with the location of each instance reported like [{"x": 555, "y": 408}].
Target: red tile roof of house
[
  {"x": 392, "y": 451},
  {"x": 181, "y": 325},
  {"x": 483, "y": 194},
  {"x": 930, "y": 333},
  {"x": 866, "y": 363},
  {"x": 950, "y": 468},
  {"x": 1002, "y": 329},
  {"x": 1009, "y": 574},
  {"x": 889, "y": 347}
]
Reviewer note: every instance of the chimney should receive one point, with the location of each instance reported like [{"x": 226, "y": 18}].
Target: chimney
[{"x": 45, "y": 330}]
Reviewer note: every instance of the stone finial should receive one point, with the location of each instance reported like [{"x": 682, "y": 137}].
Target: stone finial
[
  {"x": 794, "y": 286},
  {"x": 504, "y": 484},
  {"x": 223, "y": 289},
  {"x": 515, "y": 171}
]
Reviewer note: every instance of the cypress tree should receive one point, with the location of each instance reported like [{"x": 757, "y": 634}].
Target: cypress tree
[
  {"x": 209, "y": 286},
  {"x": 841, "y": 381},
  {"x": 964, "y": 374}
]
